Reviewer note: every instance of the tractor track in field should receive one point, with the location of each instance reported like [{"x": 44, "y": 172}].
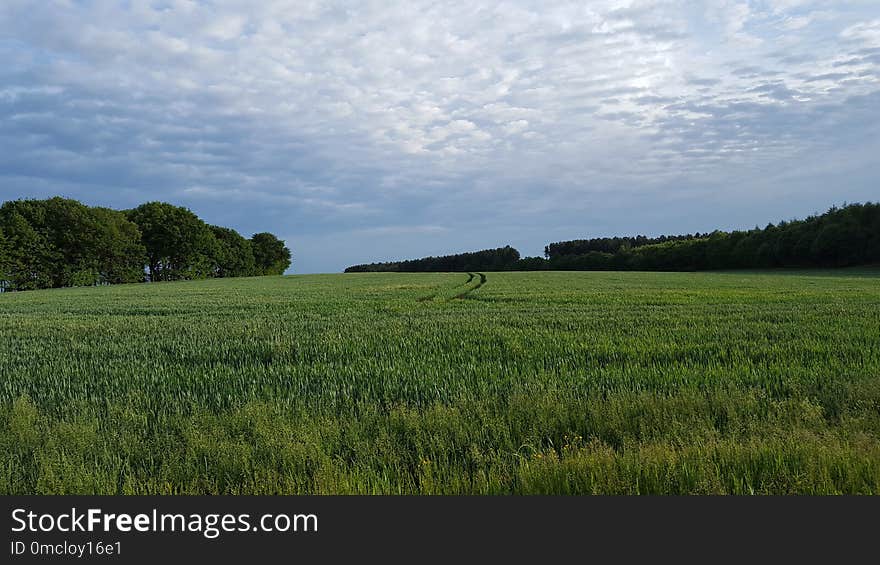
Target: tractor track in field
[
  {"x": 436, "y": 297},
  {"x": 464, "y": 294}
]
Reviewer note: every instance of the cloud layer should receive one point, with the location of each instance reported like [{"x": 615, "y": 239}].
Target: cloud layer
[{"x": 391, "y": 129}]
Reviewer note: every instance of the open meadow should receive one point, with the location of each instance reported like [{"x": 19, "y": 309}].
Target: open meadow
[{"x": 544, "y": 382}]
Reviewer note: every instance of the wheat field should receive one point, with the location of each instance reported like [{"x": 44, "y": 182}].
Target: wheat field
[{"x": 460, "y": 383}]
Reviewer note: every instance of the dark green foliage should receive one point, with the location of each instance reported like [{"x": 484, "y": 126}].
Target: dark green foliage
[
  {"x": 608, "y": 244},
  {"x": 29, "y": 255},
  {"x": 60, "y": 242},
  {"x": 500, "y": 259},
  {"x": 179, "y": 245},
  {"x": 234, "y": 255},
  {"x": 4, "y": 259},
  {"x": 842, "y": 237},
  {"x": 270, "y": 254},
  {"x": 531, "y": 264},
  {"x": 118, "y": 254}
]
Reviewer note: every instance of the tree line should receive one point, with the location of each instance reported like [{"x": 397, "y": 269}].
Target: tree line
[
  {"x": 61, "y": 242},
  {"x": 503, "y": 258},
  {"x": 841, "y": 237},
  {"x": 609, "y": 244}
]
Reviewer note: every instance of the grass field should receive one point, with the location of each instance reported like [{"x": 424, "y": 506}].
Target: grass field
[{"x": 446, "y": 383}]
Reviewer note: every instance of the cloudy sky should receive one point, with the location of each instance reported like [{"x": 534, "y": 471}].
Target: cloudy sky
[{"x": 374, "y": 130}]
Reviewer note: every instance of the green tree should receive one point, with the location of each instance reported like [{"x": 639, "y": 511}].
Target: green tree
[
  {"x": 179, "y": 245},
  {"x": 75, "y": 244},
  {"x": 72, "y": 229},
  {"x": 119, "y": 253},
  {"x": 235, "y": 254},
  {"x": 839, "y": 244},
  {"x": 29, "y": 256},
  {"x": 4, "y": 260},
  {"x": 270, "y": 254}
]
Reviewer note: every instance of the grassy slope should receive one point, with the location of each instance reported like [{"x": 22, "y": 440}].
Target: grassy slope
[{"x": 387, "y": 383}]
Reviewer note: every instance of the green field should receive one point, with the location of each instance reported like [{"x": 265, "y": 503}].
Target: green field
[{"x": 546, "y": 382}]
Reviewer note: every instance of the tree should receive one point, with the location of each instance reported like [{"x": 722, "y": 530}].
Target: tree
[
  {"x": 72, "y": 244},
  {"x": 500, "y": 259},
  {"x": 872, "y": 227},
  {"x": 840, "y": 237},
  {"x": 531, "y": 264},
  {"x": 270, "y": 254},
  {"x": 29, "y": 255},
  {"x": 235, "y": 254},
  {"x": 179, "y": 246},
  {"x": 839, "y": 244},
  {"x": 119, "y": 254},
  {"x": 61, "y": 242},
  {"x": 4, "y": 260},
  {"x": 72, "y": 229}
]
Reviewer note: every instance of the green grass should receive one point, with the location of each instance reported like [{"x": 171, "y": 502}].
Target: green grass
[{"x": 436, "y": 383}]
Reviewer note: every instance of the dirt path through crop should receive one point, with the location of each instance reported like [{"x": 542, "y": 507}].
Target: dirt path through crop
[
  {"x": 473, "y": 282},
  {"x": 470, "y": 289}
]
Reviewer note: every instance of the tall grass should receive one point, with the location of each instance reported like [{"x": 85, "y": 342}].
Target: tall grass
[{"x": 430, "y": 383}]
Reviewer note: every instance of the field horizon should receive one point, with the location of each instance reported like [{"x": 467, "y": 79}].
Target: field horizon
[{"x": 446, "y": 383}]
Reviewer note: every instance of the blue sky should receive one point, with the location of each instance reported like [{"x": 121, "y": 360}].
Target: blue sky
[{"x": 364, "y": 131}]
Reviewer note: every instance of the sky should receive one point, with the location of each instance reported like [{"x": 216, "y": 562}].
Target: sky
[{"x": 379, "y": 130}]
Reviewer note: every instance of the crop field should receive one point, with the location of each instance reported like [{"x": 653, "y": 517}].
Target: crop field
[{"x": 495, "y": 383}]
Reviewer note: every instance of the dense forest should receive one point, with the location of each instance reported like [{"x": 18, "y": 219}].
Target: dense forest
[
  {"x": 841, "y": 237},
  {"x": 61, "y": 242},
  {"x": 609, "y": 244},
  {"x": 501, "y": 259}
]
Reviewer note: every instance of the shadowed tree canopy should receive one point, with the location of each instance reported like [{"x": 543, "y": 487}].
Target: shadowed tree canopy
[
  {"x": 234, "y": 256},
  {"x": 119, "y": 253},
  {"x": 179, "y": 245},
  {"x": 4, "y": 256},
  {"x": 270, "y": 254},
  {"x": 499, "y": 259},
  {"x": 842, "y": 237},
  {"x": 27, "y": 257},
  {"x": 60, "y": 242}
]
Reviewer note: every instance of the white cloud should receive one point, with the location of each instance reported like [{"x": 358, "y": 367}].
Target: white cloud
[
  {"x": 462, "y": 111},
  {"x": 867, "y": 32}
]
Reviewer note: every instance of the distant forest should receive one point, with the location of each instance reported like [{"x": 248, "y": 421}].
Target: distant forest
[
  {"x": 842, "y": 237},
  {"x": 501, "y": 259},
  {"x": 61, "y": 242}
]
